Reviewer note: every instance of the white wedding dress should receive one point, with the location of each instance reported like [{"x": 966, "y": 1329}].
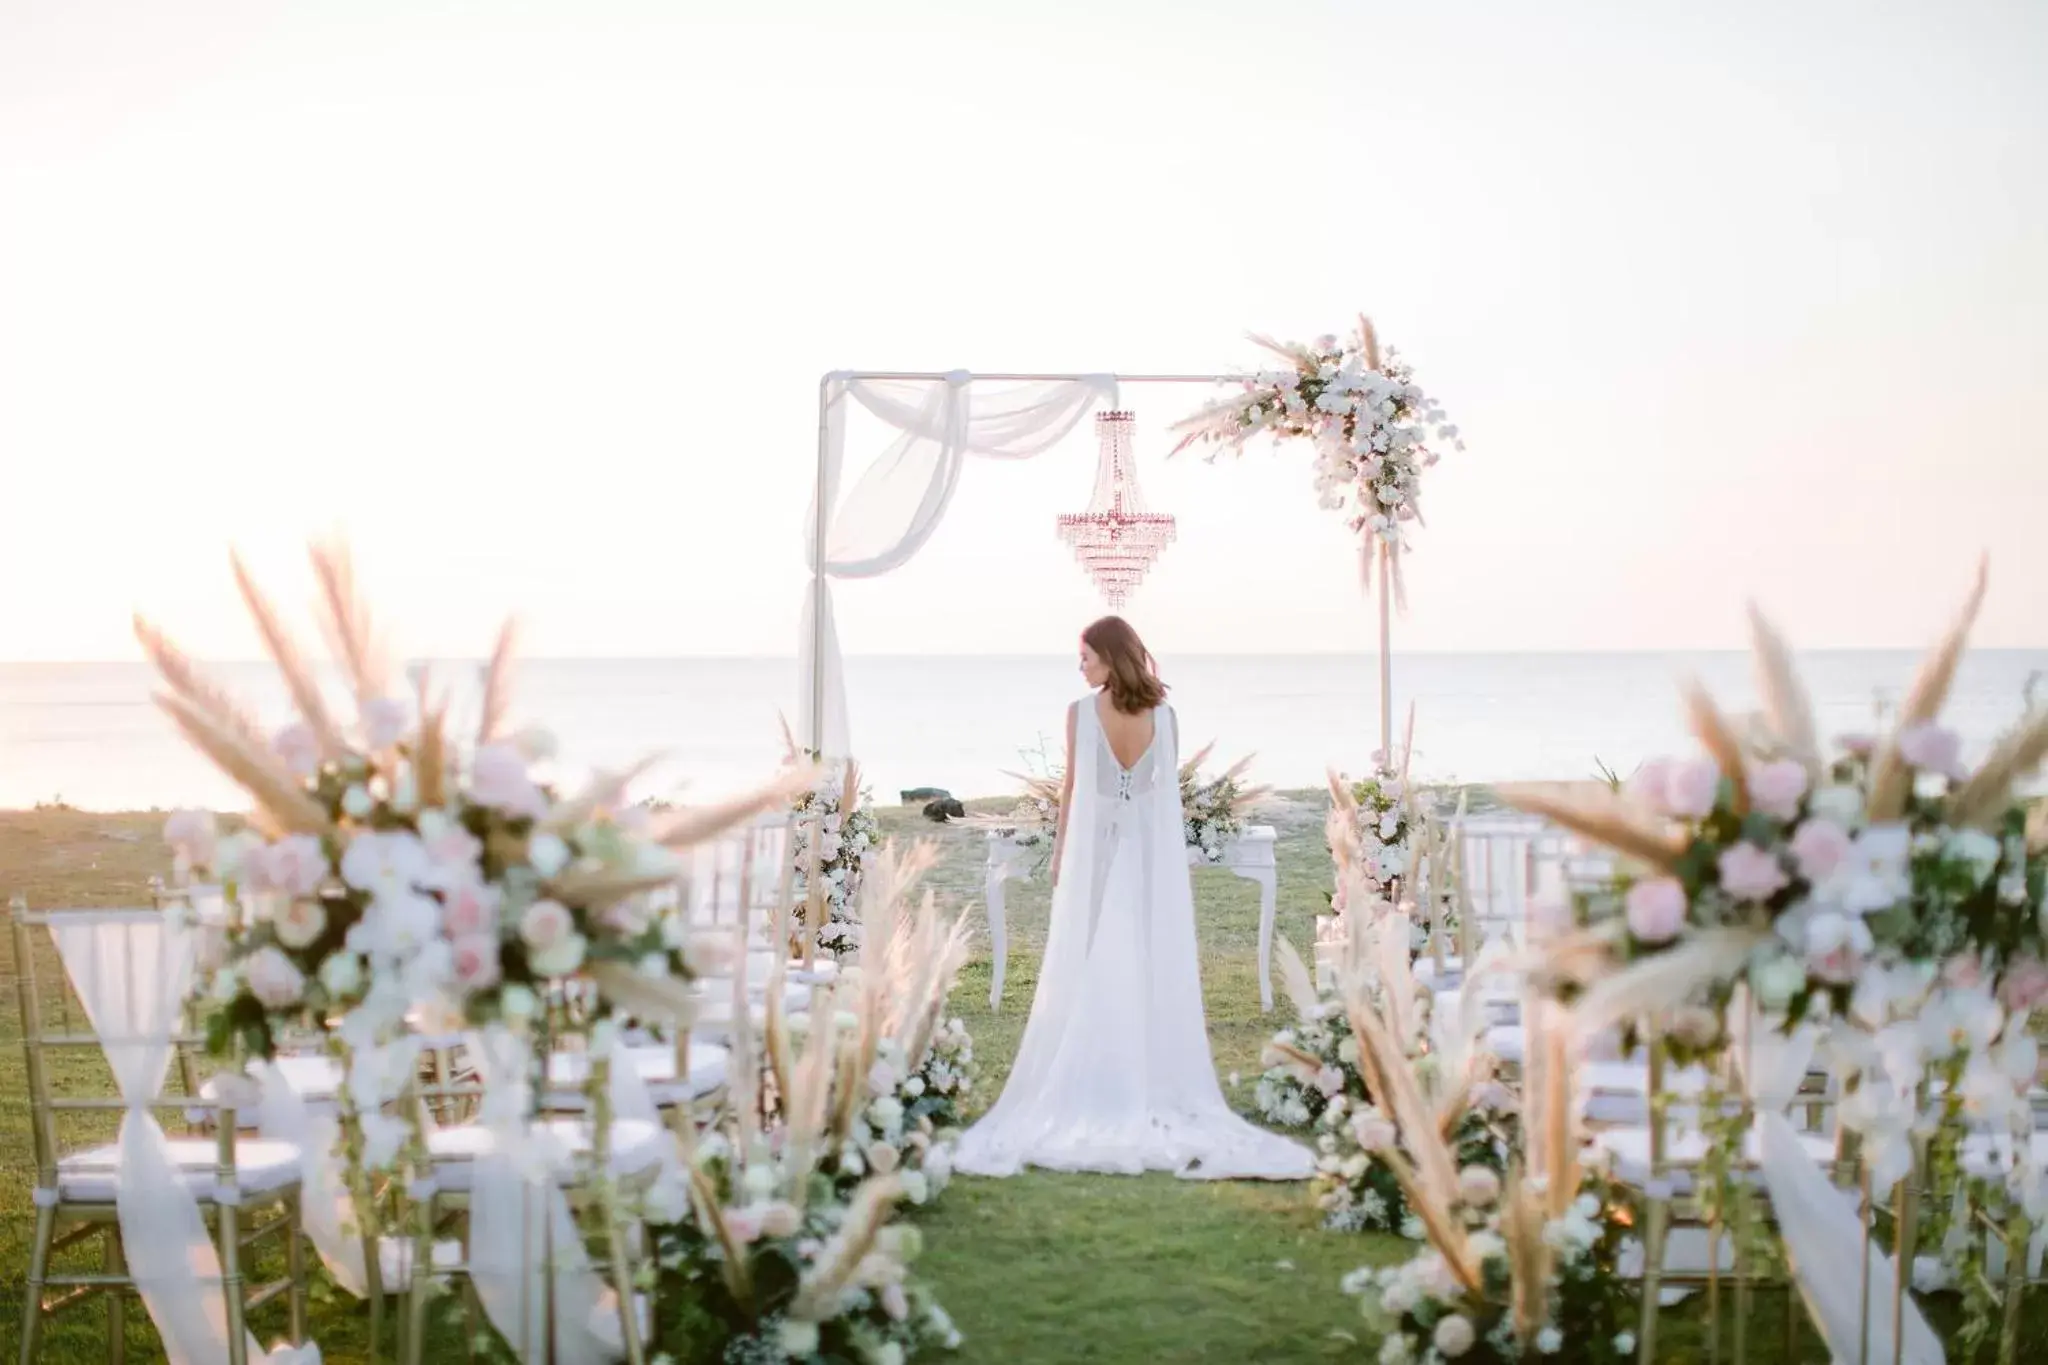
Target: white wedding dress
[{"x": 1114, "y": 1073}]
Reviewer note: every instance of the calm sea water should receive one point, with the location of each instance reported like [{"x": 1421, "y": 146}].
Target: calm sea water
[{"x": 87, "y": 733}]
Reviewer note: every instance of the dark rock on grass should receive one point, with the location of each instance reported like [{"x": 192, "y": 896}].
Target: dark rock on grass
[{"x": 944, "y": 809}]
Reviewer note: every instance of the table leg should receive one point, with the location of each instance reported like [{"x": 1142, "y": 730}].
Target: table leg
[
  {"x": 1268, "y": 881},
  {"x": 998, "y": 932}
]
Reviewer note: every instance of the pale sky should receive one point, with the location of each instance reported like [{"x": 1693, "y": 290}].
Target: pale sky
[{"x": 532, "y": 299}]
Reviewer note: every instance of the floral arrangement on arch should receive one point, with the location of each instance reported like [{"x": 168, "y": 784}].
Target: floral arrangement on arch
[
  {"x": 1520, "y": 1265},
  {"x": 393, "y": 868},
  {"x": 838, "y": 812},
  {"x": 1370, "y": 423},
  {"x": 1888, "y": 888},
  {"x": 1213, "y": 809}
]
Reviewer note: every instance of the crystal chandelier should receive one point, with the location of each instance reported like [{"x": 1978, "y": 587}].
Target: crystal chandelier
[{"x": 1116, "y": 539}]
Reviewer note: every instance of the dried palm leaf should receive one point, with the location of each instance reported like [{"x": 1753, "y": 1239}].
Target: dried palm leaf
[
  {"x": 1529, "y": 1258},
  {"x": 430, "y": 757},
  {"x": 693, "y": 826},
  {"x": 346, "y": 622},
  {"x": 280, "y": 801},
  {"x": 1786, "y": 704},
  {"x": 1392, "y": 1081},
  {"x": 496, "y": 703},
  {"x": 606, "y": 792},
  {"x": 1890, "y": 781},
  {"x": 1407, "y": 750},
  {"x": 188, "y": 681},
  {"x": 1369, "y": 342},
  {"x": 663, "y": 999},
  {"x": 735, "y": 1262},
  {"x": 1984, "y": 798},
  {"x": 2037, "y": 827},
  {"x": 817, "y": 1297},
  {"x": 1194, "y": 765},
  {"x": 599, "y": 890},
  {"x": 299, "y": 678},
  {"x": 1718, "y": 738},
  {"x": 1658, "y": 983},
  {"x": 1298, "y": 983},
  {"x": 1600, "y": 815},
  {"x": 790, "y": 752}
]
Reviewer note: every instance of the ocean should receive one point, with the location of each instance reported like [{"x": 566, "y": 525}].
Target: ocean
[{"x": 87, "y": 734}]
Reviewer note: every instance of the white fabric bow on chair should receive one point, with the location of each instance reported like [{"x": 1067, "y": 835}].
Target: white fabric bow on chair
[{"x": 132, "y": 974}]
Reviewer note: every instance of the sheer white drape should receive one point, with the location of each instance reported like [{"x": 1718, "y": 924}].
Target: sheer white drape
[
  {"x": 131, "y": 971},
  {"x": 517, "y": 1209},
  {"x": 887, "y": 516},
  {"x": 324, "y": 1203}
]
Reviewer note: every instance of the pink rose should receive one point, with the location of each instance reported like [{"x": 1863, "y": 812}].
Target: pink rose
[
  {"x": 1775, "y": 788},
  {"x": 1330, "y": 1081},
  {"x": 1835, "y": 946},
  {"x": 1819, "y": 846},
  {"x": 294, "y": 866},
  {"x": 1649, "y": 784},
  {"x": 384, "y": 722},
  {"x": 469, "y": 908},
  {"x": 1373, "y": 1133},
  {"x": 193, "y": 837},
  {"x": 297, "y": 749},
  {"x": 273, "y": 980},
  {"x": 781, "y": 1219},
  {"x": 1749, "y": 873},
  {"x": 545, "y": 925},
  {"x": 2025, "y": 984},
  {"x": 1690, "y": 789},
  {"x": 895, "y": 1302},
  {"x": 1932, "y": 748},
  {"x": 744, "y": 1225},
  {"x": 498, "y": 778},
  {"x": 1656, "y": 909},
  {"x": 476, "y": 965}
]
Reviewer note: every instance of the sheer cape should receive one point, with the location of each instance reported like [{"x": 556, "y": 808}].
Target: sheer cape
[{"x": 1114, "y": 1073}]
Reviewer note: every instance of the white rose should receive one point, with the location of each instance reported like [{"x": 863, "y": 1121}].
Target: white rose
[
  {"x": 915, "y": 1187},
  {"x": 1843, "y": 805},
  {"x": 1776, "y": 980},
  {"x": 273, "y": 980},
  {"x": 341, "y": 975},
  {"x": 1454, "y": 1336},
  {"x": 518, "y": 1002},
  {"x": 356, "y": 802},
  {"x": 545, "y": 925},
  {"x": 798, "y": 1339},
  {"x": 299, "y": 923}
]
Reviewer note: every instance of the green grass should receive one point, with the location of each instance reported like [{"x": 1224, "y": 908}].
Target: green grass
[{"x": 1036, "y": 1270}]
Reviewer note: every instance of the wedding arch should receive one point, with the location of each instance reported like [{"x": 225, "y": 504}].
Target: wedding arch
[{"x": 1366, "y": 418}]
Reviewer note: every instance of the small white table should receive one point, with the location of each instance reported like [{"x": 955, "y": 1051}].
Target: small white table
[{"x": 1249, "y": 855}]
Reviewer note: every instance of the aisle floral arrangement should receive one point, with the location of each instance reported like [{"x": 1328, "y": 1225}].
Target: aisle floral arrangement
[
  {"x": 1213, "y": 809},
  {"x": 838, "y": 813},
  {"x": 776, "y": 1238},
  {"x": 1887, "y": 886},
  {"x": 1521, "y": 1265},
  {"x": 1370, "y": 423},
  {"x": 391, "y": 867}
]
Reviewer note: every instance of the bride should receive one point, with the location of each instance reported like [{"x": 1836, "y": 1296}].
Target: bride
[{"x": 1114, "y": 1073}]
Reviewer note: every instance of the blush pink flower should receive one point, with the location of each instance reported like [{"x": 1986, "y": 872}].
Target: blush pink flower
[
  {"x": 295, "y": 866},
  {"x": 2025, "y": 984},
  {"x": 1932, "y": 748},
  {"x": 1656, "y": 909},
  {"x": 498, "y": 778},
  {"x": 299, "y": 923},
  {"x": 1330, "y": 1080},
  {"x": 384, "y": 722},
  {"x": 1650, "y": 785},
  {"x": 1819, "y": 847},
  {"x": 469, "y": 908},
  {"x": 475, "y": 965},
  {"x": 1775, "y": 788},
  {"x": 273, "y": 980},
  {"x": 545, "y": 925},
  {"x": 1749, "y": 873},
  {"x": 298, "y": 749},
  {"x": 1690, "y": 789}
]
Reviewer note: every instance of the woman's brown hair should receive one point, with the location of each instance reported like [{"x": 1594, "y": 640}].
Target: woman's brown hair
[{"x": 1134, "y": 685}]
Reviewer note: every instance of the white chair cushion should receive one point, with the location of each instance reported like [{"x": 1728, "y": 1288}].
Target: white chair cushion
[
  {"x": 656, "y": 1063},
  {"x": 261, "y": 1168},
  {"x": 636, "y": 1147},
  {"x": 1629, "y": 1149}
]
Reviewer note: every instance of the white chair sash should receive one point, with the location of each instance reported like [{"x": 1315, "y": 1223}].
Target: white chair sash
[
  {"x": 326, "y": 1209},
  {"x": 517, "y": 1209},
  {"x": 132, "y": 972}
]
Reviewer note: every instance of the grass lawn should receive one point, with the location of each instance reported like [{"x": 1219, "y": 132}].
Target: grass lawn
[{"x": 1036, "y": 1270}]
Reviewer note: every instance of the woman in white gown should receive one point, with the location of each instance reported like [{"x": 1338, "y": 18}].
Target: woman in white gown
[{"x": 1114, "y": 1073}]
